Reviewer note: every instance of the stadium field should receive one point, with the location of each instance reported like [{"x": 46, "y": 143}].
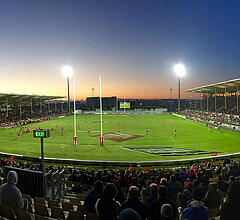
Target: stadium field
[{"x": 126, "y": 139}]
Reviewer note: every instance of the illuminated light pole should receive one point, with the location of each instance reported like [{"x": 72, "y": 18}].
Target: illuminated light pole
[
  {"x": 68, "y": 72},
  {"x": 180, "y": 71}
]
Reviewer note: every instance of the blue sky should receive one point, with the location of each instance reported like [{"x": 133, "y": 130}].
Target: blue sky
[{"x": 132, "y": 43}]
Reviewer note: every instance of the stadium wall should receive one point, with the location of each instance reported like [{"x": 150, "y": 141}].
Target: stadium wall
[{"x": 183, "y": 162}]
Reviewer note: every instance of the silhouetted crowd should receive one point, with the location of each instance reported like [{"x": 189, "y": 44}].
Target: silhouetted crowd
[{"x": 195, "y": 192}]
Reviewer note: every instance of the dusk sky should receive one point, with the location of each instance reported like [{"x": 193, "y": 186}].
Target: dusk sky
[{"x": 132, "y": 43}]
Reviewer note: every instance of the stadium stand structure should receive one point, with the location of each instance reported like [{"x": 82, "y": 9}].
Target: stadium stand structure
[
  {"x": 219, "y": 97},
  {"x": 19, "y": 108},
  {"x": 21, "y": 103}
]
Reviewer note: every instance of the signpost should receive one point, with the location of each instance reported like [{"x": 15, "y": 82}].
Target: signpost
[{"x": 42, "y": 134}]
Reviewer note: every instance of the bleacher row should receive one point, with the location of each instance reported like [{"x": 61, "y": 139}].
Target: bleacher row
[{"x": 41, "y": 209}]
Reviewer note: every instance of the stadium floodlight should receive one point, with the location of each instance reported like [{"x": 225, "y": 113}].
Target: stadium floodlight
[
  {"x": 67, "y": 71},
  {"x": 180, "y": 71}
]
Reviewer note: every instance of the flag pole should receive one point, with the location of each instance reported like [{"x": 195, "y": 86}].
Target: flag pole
[{"x": 101, "y": 136}]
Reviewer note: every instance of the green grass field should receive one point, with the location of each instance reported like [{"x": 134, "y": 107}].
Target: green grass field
[{"x": 190, "y": 135}]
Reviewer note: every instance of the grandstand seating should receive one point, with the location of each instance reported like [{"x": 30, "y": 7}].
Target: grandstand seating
[{"x": 71, "y": 206}]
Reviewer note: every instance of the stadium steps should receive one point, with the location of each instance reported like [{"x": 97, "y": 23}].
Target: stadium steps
[{"x": 69, "y": 200}]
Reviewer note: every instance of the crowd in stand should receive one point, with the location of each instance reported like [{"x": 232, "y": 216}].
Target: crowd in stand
[
  {"x": 197, "y": 192},
  {"x": 14, "y": 121},
  {"x": 216, "y": 118},
  {"x": 192, "y": 193}
]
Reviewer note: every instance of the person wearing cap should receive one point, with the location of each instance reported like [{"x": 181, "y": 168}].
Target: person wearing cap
[
  {"x": 10, "y": 195},
  {"x": 196, "y": 210}
]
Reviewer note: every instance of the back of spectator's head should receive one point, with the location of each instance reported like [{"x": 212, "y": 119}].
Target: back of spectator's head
[
  {"x": 162, "y": 191},
  {"x": 198, "y": 193},
  {"x": 98, "y": 186},
  {"x": 12, "y": 177},
  {"x": 134, "y": 181},
  {"x": 234, "y": 192},
  {"x": 189, "y": 186},
  {"x": 220, "y": 178},
  {"x": 110, "y": 191},
  {"x": 134, "y": 193},
  {"x": 129, "y": 214},
  {"x": 166, "y": 211},
  {"x": 153, "y": 188},
  {"x": 173, "y": 177},
  {"x": 187, "y": 195},
  {"x": 163, "y": 181},
  {"x": 212, "y": 187},
  {"x": 196, "y": 182}
]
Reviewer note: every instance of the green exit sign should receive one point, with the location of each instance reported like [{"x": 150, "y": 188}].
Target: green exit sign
[{"x": 41, "y": 133}]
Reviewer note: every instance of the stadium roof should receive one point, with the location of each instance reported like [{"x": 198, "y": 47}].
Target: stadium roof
[
  {"x": 25, "y": 98},
  {"x": 230, "y": 86}
]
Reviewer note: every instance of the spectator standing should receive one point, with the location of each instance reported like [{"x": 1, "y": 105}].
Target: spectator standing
[
  {"x": 107, "y": 207},
  {"x": 153, "y": 194},
  {"x": 176, "y": 187},
  {"x": 231, "y": 208},
  {"x": 10, "y": 195},
  {"x": 93, "y": 196},
  {"x": 184, "y": 199},
  {"x": 214, "y": 197},
  {"x": 155, "y": 210},
  {"x": 222, "y": 186},
  {"x": 74, "y": 176},
  {"x": 134, "y": 202},
  {"x": 196, "y": 210}
]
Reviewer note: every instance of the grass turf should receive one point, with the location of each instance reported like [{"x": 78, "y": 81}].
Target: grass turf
[{"x": 190, "y": 135}]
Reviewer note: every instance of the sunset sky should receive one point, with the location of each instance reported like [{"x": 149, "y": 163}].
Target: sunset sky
[{"x": 132, "y": 43}]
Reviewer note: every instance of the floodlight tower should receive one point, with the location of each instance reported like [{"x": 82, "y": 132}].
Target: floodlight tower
[
  {"x": 180, "y": 71},
  {"x": 92, "y": 92},
  {"x": 67, "y": 71}
]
